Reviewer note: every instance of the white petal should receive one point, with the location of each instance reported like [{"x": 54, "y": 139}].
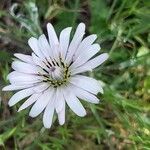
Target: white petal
[
  {"x": 29, "y": 101},
  {"x": 13, "y": 87},
  {"x": 84, "y": 95},
  {"x": 95, "y": 62},
  {"x": 80, "y": 31},
  {"x": 41, "y": 87},
  {"x": 22, "y": 76},
  {"x": 33, "y": 43},
  {"x": 81, "y": 69},
  {"x": 53, "y": 40},
  {"x": 19, "y": 78},
  {"x": 25, "y": 58},
  {"x": 87, "y": 83},
  {"x": 74, "y": 103},
  {"x": 48, "y": 114},
  {"x": 61, "y": 115},
  {"x": 44, "y": 46},
  {"x": 39, "y": 62},
  {"x": 25, "y": 67},
  {"x": 64, "y": 41},
  {"x": 56, "y": 52},
  {"x": 41, "y": 103},
  {"x": 91, "y": 64},
  {"x": 20, "y": 95},
  {"x": 84, "y": 57},
  {"x": 85, "y": 44},
  {"x": 59, "y": 100}
]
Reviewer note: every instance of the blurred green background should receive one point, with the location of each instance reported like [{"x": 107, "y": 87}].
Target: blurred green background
[{"x": 122, "y": 120}]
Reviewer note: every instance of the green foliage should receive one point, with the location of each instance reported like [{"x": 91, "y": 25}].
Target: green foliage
[{"x": 122, "y": 119}]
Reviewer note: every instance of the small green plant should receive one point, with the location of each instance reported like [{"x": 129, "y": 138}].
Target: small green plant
[{"x": 121, "y": 120}]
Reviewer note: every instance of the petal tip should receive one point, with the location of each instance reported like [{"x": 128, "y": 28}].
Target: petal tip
[
  {"x": 16, "y": 54},
  {"x": 20, "y": 109},
  {"x": 47, "y": 126},
  {"x": 83, "y": 114},
  {"x": 4, "y": 88},
  {"x": 82, "y": 24},
  {"x": 97, "y": 102},
  {"x": 41, "y": 36},
  {"x": 30, "y": 40},
  {"x": 32, "y": 115},
  {"x": 61, "y": 123},
  {"x": 106, "y": 55},
  {"x": 49, "y": 25},
  {"x": 10, "y": 104}
]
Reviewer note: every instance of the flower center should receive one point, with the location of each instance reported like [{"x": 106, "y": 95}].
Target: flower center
[{"x": 57, "y": 72}]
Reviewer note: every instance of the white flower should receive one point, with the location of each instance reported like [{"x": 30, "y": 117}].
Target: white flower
[{"x": 50, "y": 76}]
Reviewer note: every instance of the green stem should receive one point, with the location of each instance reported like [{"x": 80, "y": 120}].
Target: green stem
[
  {"x": 76, "y": 13},
  {"x": 120, "y": 9},
  {"x": 111, "y": 9},
  {"x": 116, "y": 41},
  {"x": 100, "y": 122},
  {"x": 141, "y": 41}
]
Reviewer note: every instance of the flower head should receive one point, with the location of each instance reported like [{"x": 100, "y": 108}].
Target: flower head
[{"x": 51, "y": 76}]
